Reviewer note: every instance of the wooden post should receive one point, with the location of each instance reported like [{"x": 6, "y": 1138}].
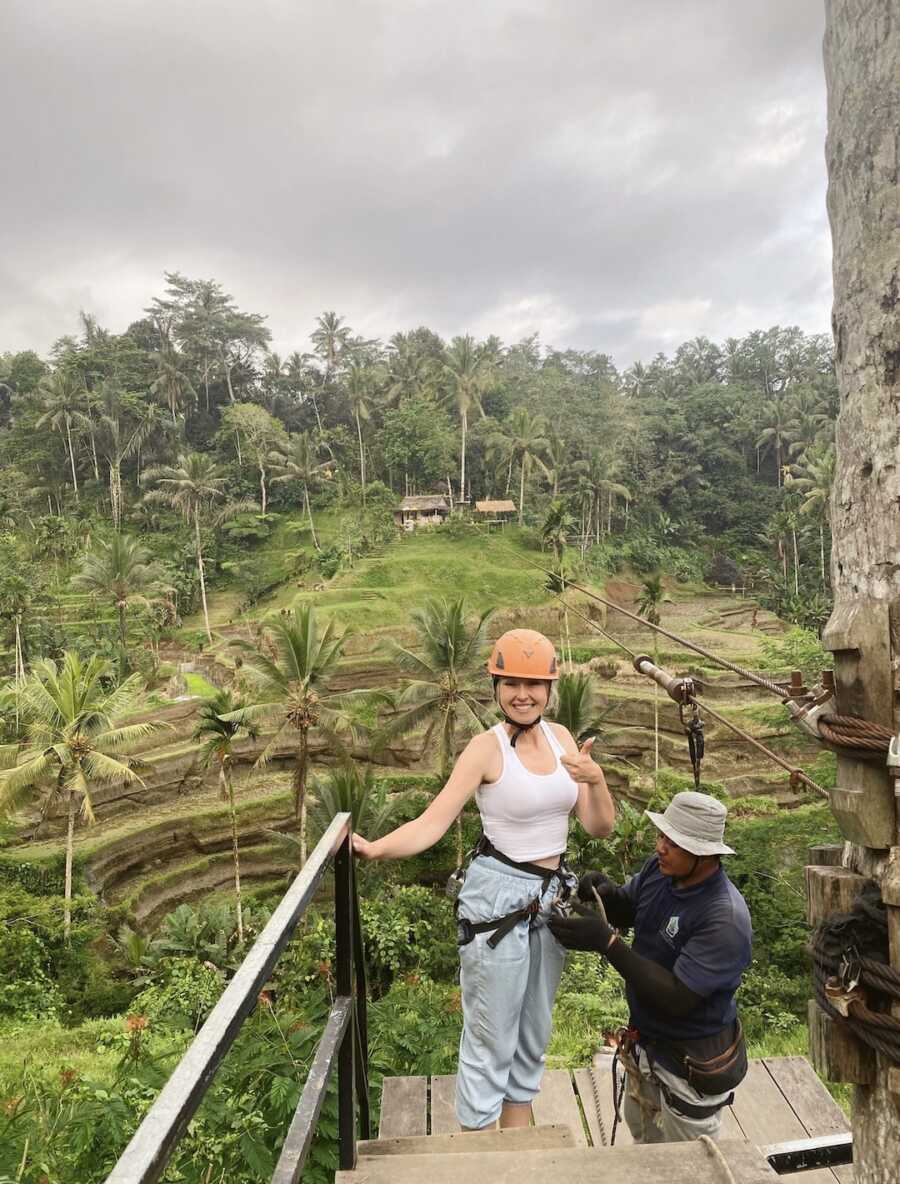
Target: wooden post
[{"x": 862, "y": 69}]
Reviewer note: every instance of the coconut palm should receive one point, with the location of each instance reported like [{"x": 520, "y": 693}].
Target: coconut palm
[
  {"x": 219, "y": 725},
  {"x": 775, "y": 435},
  {"x": 63, "y": 398},
  {"x": 528, "y": 439},
  {"x": 557, "y": 527},
  {"x": 195, "y": 486},
  {"x": 817, "y": 477},
  {"x": 468, "y": 374},
  {"x": 445, "y": 688},
  {"x": 575, "y": 707},
  {"x": 123, "y": 571},
  {"x": 171, "y": 384},
  {"x": 75, "y": 740},
  {"x": 359, "y": 396},
  {"x": 300, "y": 464},
  {"x": 290, "y": 668}
]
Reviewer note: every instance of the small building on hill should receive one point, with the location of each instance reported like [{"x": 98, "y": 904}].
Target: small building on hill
[
  {"x": 429, "y": 509},
  {"x": 494, "y": 513}
]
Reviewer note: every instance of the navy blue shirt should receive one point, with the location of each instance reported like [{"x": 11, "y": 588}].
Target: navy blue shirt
[{"x": 702, "y": 935}]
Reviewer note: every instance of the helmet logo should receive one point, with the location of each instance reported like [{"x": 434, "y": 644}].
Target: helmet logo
[
  {"x": 498, "y": 661},
  {"x": 528, "y": 651},
  {"x": 553, "y": 665}
]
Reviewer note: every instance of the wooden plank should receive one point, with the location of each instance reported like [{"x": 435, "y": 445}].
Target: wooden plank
[
  {"x": 403, "y": 1102},
  {"x": 835, "y": 1052},
  {"x": 557, "y": 1104},
  {"x": 766, "y": 1117},
  {"x": 671, "y": 1163},
  {"x": 443, "y": 1105},
  {"x": 810, "y": 1101},
  {"x": 526, "y": 1138},
  {"x": 830, "y": 890}
]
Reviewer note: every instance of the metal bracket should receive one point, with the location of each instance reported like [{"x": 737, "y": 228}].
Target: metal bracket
[{"x": 804, "y": 1155}]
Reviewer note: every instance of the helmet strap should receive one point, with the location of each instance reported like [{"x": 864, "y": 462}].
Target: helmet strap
[{"x": 519, "y": 728}]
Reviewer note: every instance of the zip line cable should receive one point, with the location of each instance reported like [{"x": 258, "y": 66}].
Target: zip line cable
[
  {"x": 796, "y": 773},
  {"x": 767, "y": 684}
]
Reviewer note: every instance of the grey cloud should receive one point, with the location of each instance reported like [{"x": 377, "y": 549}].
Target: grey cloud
[{"x": 576, "y": 167}]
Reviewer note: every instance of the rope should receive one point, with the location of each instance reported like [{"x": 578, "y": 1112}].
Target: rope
[
  {"x": 849, "y": 731},
  {"x": 715, "y": 1152},
  {"x": 595, "y": 1086}
]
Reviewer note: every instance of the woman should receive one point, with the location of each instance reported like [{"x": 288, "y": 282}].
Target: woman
[{"x": 527, "y": 777}]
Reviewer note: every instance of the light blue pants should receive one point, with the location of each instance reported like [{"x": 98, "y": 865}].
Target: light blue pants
[{"x": 507, "y": 992}]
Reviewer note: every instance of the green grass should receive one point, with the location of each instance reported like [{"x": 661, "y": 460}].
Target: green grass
[{"x": 197, "y": 685}]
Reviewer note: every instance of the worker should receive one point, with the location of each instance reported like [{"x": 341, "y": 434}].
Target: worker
[
  {"x": 527, "y": 776},
  {"x": 683, "y": 1050}
]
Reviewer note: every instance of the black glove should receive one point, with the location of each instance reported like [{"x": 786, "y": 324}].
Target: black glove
[
  {"x": 587, "y": 931},
  {"x": 598, "y": 881}
]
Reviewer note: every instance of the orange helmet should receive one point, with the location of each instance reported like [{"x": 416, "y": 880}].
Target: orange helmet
[{"x": 523, "y": 653}]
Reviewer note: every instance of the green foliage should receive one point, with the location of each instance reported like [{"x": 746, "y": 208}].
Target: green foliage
[
  {"x": 183, "y": 993},
  {"x": 414, "y": 1029},
  {"x": 798, "y": 649}
]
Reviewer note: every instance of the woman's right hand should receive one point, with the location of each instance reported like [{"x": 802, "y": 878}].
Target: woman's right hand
[{"x": 363, "y": 848}]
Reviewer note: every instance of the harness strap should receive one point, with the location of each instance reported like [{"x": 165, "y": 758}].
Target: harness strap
[
  {"x": 690, "y": 1109},
  {"x": 501, "y": 926}
]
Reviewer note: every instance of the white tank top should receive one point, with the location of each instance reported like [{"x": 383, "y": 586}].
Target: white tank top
[{"x": 526, "y": 815}]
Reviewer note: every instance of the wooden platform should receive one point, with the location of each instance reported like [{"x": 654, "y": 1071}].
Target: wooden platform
[{"x": 781, "y": 1099}]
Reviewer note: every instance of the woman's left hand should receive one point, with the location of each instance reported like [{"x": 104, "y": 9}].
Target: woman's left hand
[{"x": 581, "y": 766}]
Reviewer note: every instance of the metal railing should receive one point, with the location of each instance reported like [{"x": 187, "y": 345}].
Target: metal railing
[{"x": 344, "y": 1040}]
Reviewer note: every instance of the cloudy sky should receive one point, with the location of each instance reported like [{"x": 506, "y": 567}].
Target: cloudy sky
[{"x": 618, "y": 175}]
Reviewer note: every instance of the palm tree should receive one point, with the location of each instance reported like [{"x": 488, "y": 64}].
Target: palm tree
[
  {"x": 171, "y": 384},
  {"x": 359, "y": 395},
  {"x": 193, "y": 486},
  {"x": 557, "y": 528},
  {"x": 818, "y": 467},
  {"x": 300, "y": 465},
  {"x": 290, "y": 668},
  {"x": 75, "y": 740},
  {"x": 575, "y": 708},
  {"x": 776, "y": 434},
  {"x": 122, "y": 426},
  {"x": 648, "y": 605},
  {"x": 527, "y": 432},
  {"x": 468, "y": 374},
  {"x": 332, "y": 340},
  {"x": 62, "y": 397},
  {"x": 557, "y": 454},
  {"x": 219, "y": 726},
  {"x": 444, "y": 690},
  {"x": 123, "y": 571}
]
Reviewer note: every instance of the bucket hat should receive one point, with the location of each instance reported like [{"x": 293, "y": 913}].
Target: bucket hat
[{"x": 695, "y": 822}]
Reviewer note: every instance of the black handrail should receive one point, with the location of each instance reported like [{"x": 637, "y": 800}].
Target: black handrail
[{"x": 345, "y": 1037}]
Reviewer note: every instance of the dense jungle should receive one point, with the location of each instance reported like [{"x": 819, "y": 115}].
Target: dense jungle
[{"x": 219, "y": 626}]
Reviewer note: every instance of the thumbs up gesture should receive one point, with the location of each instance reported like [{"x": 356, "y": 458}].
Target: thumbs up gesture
[{"x": 581, "y": 766}]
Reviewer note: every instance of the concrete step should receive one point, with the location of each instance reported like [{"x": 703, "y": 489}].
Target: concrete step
[
  {"x": 532, "y": 1138},
  {"x": 658, "y": 1163}
]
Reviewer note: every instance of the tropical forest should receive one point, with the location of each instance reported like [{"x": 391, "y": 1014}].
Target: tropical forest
[{"x": 242, "y": 592}]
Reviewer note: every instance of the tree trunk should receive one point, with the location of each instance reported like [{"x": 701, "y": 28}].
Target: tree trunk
[
  {"x": 71, "y": 455},
  {"x": 262, "y": 488},
  {"x": 300, "y": 789},
  {"x": 522, "y": 490},
  {"x": 862, "y": 66},
  {"x": 225, "y": 775},
  {"x": 120, "y": 607},
  {"x": 822, "y": 552},
  {"x": 70, "y": 847},
  {"x": 201, "y": 574},
  {"x": 237, "y": 444},
  {"x": 796, "y": 560},
  {"x": 362, "y": 460},
  {"x": 94, "y": 455},
  {"x": 462, "y": 455},
  {"x": 312, "y": 528}
]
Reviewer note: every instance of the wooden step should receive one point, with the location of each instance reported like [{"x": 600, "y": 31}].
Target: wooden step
[
  {"x": 530, "y": 1138},
  {"x": 655, "y": 1163}
]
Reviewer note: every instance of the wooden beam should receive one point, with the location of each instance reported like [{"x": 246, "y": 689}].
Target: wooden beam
[
  {"x": 836, "y": 1053},
  {"x": 825, "y": 854},
  {"x": 830, "y": 890}
]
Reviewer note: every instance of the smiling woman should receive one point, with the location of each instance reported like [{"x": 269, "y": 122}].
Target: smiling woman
[{"x": 526, "y": 776}]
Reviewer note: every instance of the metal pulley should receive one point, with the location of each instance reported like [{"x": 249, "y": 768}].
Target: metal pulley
[{"x": 680, "y": 689}]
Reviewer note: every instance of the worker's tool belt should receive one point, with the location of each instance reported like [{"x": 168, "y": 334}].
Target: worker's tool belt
[
  {"x": 500, "y": 926},
  {"x": 711, "y": 1064}
]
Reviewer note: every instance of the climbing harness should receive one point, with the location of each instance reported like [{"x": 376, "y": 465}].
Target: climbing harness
[{"x": 499, "y": 927}]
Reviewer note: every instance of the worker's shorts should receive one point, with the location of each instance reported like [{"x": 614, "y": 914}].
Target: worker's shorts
[
  {"x": 654, "y": 1118},
  {"x": 507, "y": 992}
]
